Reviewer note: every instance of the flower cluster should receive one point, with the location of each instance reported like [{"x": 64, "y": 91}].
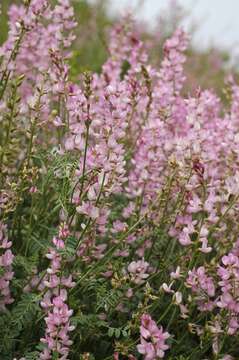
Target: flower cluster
[
  {"x": 152, "y": 339},
  {"x": 229, "y": 281},
  {"x": 54, "y": 302},
  {"x": 6, "y": 260},
  {"x": 203, "y": 286}
]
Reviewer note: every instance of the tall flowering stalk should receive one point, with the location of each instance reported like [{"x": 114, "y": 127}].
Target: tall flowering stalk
[
  {"x": 58, "y": 327},
  {"x": 6, "y": 260},
  {"x": 228, "y": 300}
]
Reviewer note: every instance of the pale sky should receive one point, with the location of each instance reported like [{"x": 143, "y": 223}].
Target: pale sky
[{"x": 218, "y": 19}]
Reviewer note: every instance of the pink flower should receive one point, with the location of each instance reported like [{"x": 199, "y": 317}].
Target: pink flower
[
  {"x": 54, "y": 302},
  {"x": 147, "y": 349},
  {"x": 194, "y": 204},
  {"x": 58, "y": 242},
  {"x": 233, "y": 326},
  {"x": 229, "y": 274},
  {"x": 33, "y": 189},
  {"x": 6, "y": 260},
  {"x": 184, "y": 238},
  {"x": 152, "y": 339},
  {"x": 205, "y": 248},
  {"x": 203, "y": 287},
  {"x": 138, "y": 271},
  {"x": 88, "y": 209}
]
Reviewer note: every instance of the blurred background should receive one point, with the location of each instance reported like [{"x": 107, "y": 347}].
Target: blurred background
[
  {"x": 213, "y": 26},
  {"x": 216, "y": 20}
]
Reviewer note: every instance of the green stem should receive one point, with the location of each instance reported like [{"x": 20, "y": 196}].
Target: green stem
[
  {"x": 85, "y": 155},
  {"x": 89, "y": 220},
  {"x": 5, "y": 146},
  {"x": 111, "y": 251},
  {"x": 170, "y": 183}
]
